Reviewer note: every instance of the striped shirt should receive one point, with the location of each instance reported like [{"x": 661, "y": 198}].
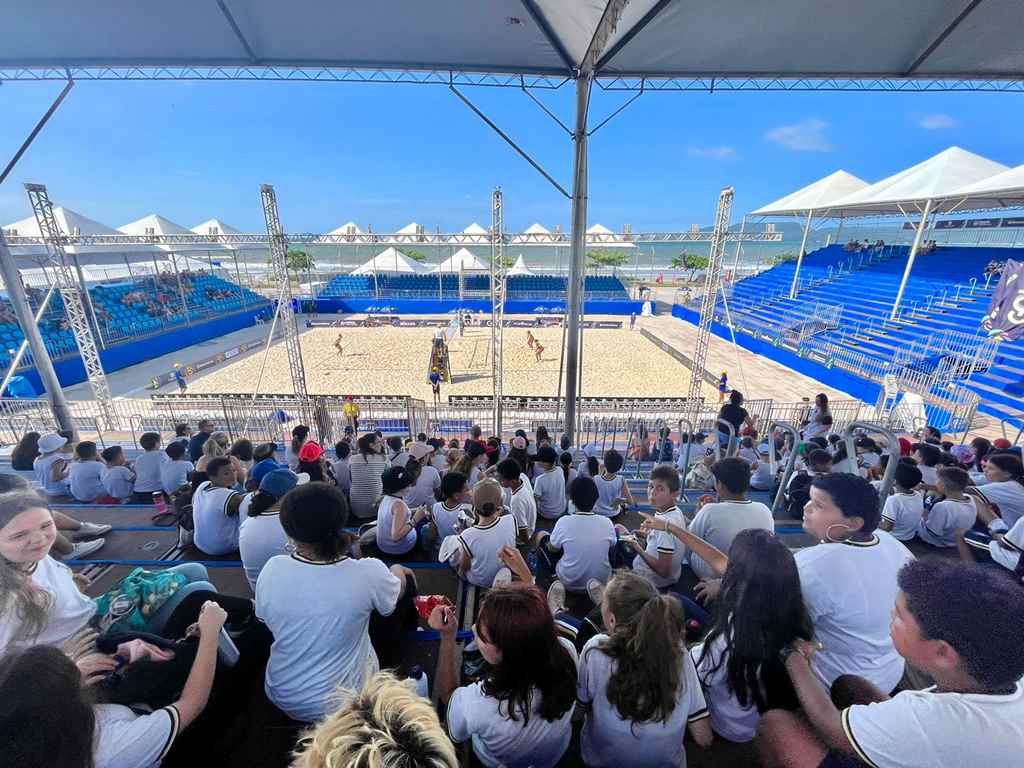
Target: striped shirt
[{"x": 366, "y": 482}]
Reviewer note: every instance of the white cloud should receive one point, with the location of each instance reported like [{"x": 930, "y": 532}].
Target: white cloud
[
  {"x": 805, "y": 136},
  {"x": 938, "y": 122},
  {"x": 714, "y": 153}
]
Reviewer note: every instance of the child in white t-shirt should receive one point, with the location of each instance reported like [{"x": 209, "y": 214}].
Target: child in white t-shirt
[
  {"x": 118, "y": 480},
  {"x": 521, "y": 501},
  {"x": 448, "y": 517},
  {"x": 577, "y": 550},
  {"x": 149, "y": 468},
  {"x": 477, "y": 557},
  {"x": 86, "y": 473},
  {"x": 174, "y": 473},
  {"x": 549, "y": 484},
  {"x": 942, "y": 524},
  {"x": 903, "y": 510},
  {"x": 612, "y": 488},
  {"x": 659, "y": 558},
  {"x": 927, "y": 457}
]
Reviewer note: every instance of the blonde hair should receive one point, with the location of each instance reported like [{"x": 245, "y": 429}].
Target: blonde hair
[
  {"x": 385, "y": 725},
  {"x": 217, "y": 444}
]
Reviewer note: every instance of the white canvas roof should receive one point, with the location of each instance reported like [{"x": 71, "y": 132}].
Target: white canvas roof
[
  {"x": 154, "y": 224},
  {"x": 698, "y": 38},
  {"x": 519, "y": 268},
  {"x": 408, "y": 229},
  {"x": 816, "y": 196},
  {"x": 215, "y": 226},
  {"x": 474, "y": 229},
  {"x": 599, "y": 229},
  {"x": 931, "y": 179},
  {"x": 1004, "y": 190},
  {"x": 72, "y": 222},
  {"x": 350, "y": 228},
  {"x": 462, "y": 259},
  {"x": 391, "y": 260},
  {"x": 598, "y": 234}
]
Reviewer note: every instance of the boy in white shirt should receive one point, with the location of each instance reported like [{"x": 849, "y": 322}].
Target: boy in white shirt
[
  {"x": 148, "y": 468},
  {"x": 959, "y": 624},
  {"x": 659, "y": 558},
  {"x": 174, "y": 473},
  {"x": 447, "y": 516},
  {"x": 1000, "y": 545},
  {"x": 612, "y": 488},
  {"x": 927, "y": 457},
  {"x": 521, "y": 500},
  {"x": 549, "y": 484},
  {"x": 215, "y": 509},
  {"x": 577, "y": 550},
  {"x": 902, "y": 512},
  {"x": 481, "y": 544},
  {"x": 86, "y": 473},
  {"x": 118, "y": 480},
  {"x": 942, "y": 525}
]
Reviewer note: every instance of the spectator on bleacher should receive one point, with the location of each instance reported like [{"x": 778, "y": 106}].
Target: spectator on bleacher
[
  {"x": 518, "y": 450},
  {"x": 313, "y": 462},
  {"x": 25, "y": 452},
  {"x": 52, "y": 466},
  {"x": 148, "y": 468},
  {"x": 426, "y": 490},
  {"x": 340, "y": 467},
  {"x": 518, "y": 497},
  {"x": 472, "y": 461},
  {"x": 396, "y": 522},
  {"x": 932, "y": 435},
  {"x": 174, "y": 473},
  {"x": 927, "y": 457},
  {"x": 520, "y": 713},
  {"x": 264, "y": 457},
  {"x": 439, "y": 455},
  {"x": 323, "y": 606},
  {"x": 366, "y": 468},
  {"x": 118, "y": 478},
  {"x": 819, "y": 422},
  {"x": 386, "y": 723},
  {"x": 397, "y": 455},
  {"x": 63, "y": 548},
  {"x": 613, "y": 491},
  {"x": 300, "y": 435},
  {"x": 218, "y": 446},
  {"x": 942, "y": 525},
  {"x": 763, "y": 479},
  {"x": 637, "y": 684},
  {"x": 659, "y": 557},
  {"x": 549, "y": 484},
  {"x": 719, "y": 522},
  {"x": 195, "y": 444},
  {"x": 959, "y": 624},
  {"x": 734, "y": 413},
  {"x": 85, "y": 475},
  {"x": 242, "y": 450},
  {"x": 844, "y": 463},
  {"x": 1005, "y": 487},
  {"x": 215, "y": 505},
  {"x": 260, "y": 535},
  {"x": 182, "y": 434},
  {"x": 55, "y": 720},
  {"x": 448, "y": 515},
  {"x": 848, "y": 578},
  {"x": 901, "y": 515},
  {"x": 568, "y": 472},
  {"x": 477, "y": 548}
]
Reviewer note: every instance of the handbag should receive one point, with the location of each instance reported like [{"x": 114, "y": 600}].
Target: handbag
[{"x": 132, "y": 602}]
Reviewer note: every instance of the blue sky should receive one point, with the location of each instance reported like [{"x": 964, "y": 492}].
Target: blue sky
[{"x": 389, "y": 154}]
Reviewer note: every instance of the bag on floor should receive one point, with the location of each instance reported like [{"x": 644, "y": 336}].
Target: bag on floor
[
  {"x": 129, "y": 604},
  {"x": 179, "y": 514}
]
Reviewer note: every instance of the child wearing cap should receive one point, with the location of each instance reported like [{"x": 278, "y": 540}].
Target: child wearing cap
[
  {"x": 612, "y": 489},
  {"x": 549, "y": 484},
  {"x": 902, "y": 512},
  {"x": 313, "y": 463},
  {"x": 396, "y": 525},
  {"x": 942, "y": 524},
  {"x": 577, "y": 550},
  {"x": 261, "y": 536},
  {"x": 519, "y": 497},
  {"x": 480, "y": 544},
  {"x": 51, "y": 466}
]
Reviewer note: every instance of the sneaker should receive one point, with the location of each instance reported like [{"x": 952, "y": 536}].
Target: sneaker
[
  {"x": 556, "y": 597},
  {"x": 502, "y": 578},
  {"x": 227, "y": 652},
  {"x": 83, "y": 549},
  {"x": 595, "y": 590},
  {"x": 91, "y": 531}
]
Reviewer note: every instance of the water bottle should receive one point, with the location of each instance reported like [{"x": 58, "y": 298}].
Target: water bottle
[
  {"x": 159, "y": 503},
  {"x": 418, "y": 676}
]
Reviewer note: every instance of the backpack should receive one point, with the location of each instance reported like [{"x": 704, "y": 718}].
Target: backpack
[{"x": 799, "y": 494}]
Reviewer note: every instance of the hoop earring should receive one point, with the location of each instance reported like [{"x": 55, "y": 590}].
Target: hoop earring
[{"x": 828, "y": 533}]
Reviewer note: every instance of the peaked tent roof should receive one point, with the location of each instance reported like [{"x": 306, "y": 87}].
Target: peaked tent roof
[
  {"x": 391, "y": 260},
  {"x": 71, "y": 222},
  {"x": 601, "y": 235},
  {"x": 653, "y": 38},
  {"x": 931, "y": 179},
  {"x": 599, "y": 229},
  {"x": 816, "y": 196},
  {"x": 537, "y": 229},
  {"x": 157, "y": 225},
  {"x": 1004, "y": 190},
  {"x": 519, "y": 268},
  {"x": 218, "y": 225},
  {"x": 474, "y": 229},
  {"x": 349, "y": 228},
  {"x": 408, "y": 229},
  {"x": 462, "y": 259}
]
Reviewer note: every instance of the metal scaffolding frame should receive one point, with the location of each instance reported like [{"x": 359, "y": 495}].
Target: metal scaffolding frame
[{"x": 497, "y": 303}]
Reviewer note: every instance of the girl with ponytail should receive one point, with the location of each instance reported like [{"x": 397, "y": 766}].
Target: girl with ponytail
[{"x": 637, "y": 683}]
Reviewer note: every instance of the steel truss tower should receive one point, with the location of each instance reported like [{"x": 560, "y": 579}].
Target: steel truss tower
[
  {"x": 712, "y": 283},
  {"x": 71, "y": 293},
  {"x": 497, "y": 303},
  {"x": 279, "y": 273}
]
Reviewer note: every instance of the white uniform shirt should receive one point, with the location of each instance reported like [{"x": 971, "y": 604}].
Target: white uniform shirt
[
  {"x": 216, "y": 533},
  {"x": 124, "y": 739},
  {"x": 483, "y": 543},
  {"x": 447, "y": 518},
  {"x": 904, "y": 511},
  {"x": 259, "y": 539},
  {"x": 850, "y": 590},
  {"x": 319, "y": 614},
  {"x": 728, "y": 719},
  {"x": 1007, "y": 553},
  {"x": 946, "y": 520},
  {"x": 174, "y": 474},
  {"x": 523, "y": 506},
  {"x": 43, "y": 467},
  {"x": 929, "y": 475},
  {"x": 608, "y": 490},
  {"x": 148, "y": 468},
  {"x": 385, "y": 521},
  {"x": 924, "y": 729},
  {"x": 609, "y": 741},
  {"x": 423, "y": 491},
  {"x": 119, "y": 481},
  {"x": 549, "y": 488},
  {"x": 719, "y": 522},
  {"x": 663, "y": 541},
  {"x": 342, "y": 474},
  {"x": 69, "y": 612},
  {"x": 86, "y": 480},
  {"x": 500, "y": 741},
  {"x": 1007, "y": 496},
  {"x": 585, "y": 539}
]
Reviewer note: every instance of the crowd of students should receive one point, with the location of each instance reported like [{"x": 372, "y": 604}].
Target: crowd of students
[{"x": 699, "y": 624}]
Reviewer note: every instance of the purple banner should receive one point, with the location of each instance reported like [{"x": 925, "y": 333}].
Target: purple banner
[{"x": 1005, "y": 317}]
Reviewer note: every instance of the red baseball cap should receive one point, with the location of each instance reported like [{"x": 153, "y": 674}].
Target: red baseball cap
[{"x": 310, "y": 452}]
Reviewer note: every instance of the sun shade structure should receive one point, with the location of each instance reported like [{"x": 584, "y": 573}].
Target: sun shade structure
[
  {"x": 462, "y": 259},
  {"x": 653, "y": 38},
  {"x": 73, "y": 223},
  {"x": 598, "y": 234},
  {"x": 519, "y": 268},
  {"x": 154, "y": 224},
  {"x": 391, "y": 260},
  {"x": 1004, "y": 190},
  {"x": 350, "y": 228},
  {"x": 817, "y": 196}
]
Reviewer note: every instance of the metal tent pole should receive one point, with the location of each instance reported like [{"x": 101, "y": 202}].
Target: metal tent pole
[
  {"x": 579, "y": 225},
  {"x": 739, "y": 247},
  {"x": 910, "y": 260},
  {"x": 44, "y": 366},
  {"x": 800, "y": 255}
]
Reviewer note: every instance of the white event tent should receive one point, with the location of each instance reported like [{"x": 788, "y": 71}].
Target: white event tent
[
  {"x": 349, "y": 228},
  {"x": 538, "y": 231},
  {"x": 462, "y": 260},
  {"x": 519, "y": 268},
  {"x": 391, "y": 260},
  {"x": 598, "y": 234}
]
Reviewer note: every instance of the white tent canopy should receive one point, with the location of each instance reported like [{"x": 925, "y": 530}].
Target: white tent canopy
[
  {"x": 598, "y": 234},
  {"x": 462, "y": 259},
  {"x": 73, "y": 223},
  {"x": 1004, "y": 190},
  {"x": 215, "y": 226},
  {"x": 350, "y": 228},
  {"x": 538, "y": 231},
  {"x": 154, "y": 224},
  {"x": 411, "y": 228},
  {"x": 519, "y": 268},
  {"x": 932, "y": 179},
  {"x": 474, "y": 229},
  {"x": 817, "y": 196},
  {"x": 391, "y": 260}
]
